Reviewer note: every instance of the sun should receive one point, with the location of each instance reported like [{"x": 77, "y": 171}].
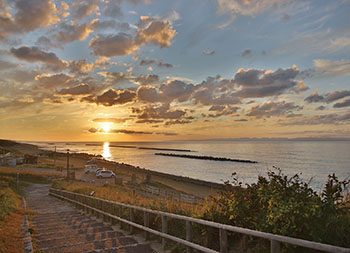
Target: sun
[{"x": 106, "y": 127}]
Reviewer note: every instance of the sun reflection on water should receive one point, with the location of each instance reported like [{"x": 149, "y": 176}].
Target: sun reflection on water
[{"x": 106, "y": 151}]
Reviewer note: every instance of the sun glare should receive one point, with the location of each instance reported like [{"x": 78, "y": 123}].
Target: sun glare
[{"x": 106, "y": 127}]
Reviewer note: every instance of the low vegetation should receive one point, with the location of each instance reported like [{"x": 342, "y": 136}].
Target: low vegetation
[
  {"x": 11, "y": 215},
  {"x": 11, "y": 212},
  {"x": 276, "y": 204}
]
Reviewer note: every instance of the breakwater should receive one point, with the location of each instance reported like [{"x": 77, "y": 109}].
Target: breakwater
[
  {"x": 212, "y": 158},
  {"x": 168, "y": 149}
]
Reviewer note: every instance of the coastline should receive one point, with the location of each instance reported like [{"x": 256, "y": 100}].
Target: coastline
[{"x": 196, "y": 187}]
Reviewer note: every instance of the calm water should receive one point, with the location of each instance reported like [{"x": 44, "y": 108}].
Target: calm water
[{"x": 314, "y": 159}]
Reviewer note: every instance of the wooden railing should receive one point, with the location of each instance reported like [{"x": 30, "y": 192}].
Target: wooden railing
[{"x": 99, "y": 207}]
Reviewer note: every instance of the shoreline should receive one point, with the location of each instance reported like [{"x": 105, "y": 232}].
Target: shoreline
[{"x": 197, "y": 187}]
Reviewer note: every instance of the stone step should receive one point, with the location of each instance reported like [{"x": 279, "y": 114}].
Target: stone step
[
  {"x": 92, "y": 245},
  {"x": 135, "y": 248},
  {"x": 58, "y": 239},
  {"x": 61, "y": 220},
  {"x": 59, "y": 223}
]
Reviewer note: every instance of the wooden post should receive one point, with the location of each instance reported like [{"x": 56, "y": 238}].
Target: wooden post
[
  {"x": 113, "y": 213},
  {"x": 17, "y": 180},
  {"x": 223, "y": 240},
  {"x": 120, "y": 215},
  {"x": 275, "y": 246},
  {"x": 103, "y": 208},
  {"x": 188, "y": 235},
  {"x": 96, "y": 206},
  {"x": 146, "y": 223},
  {"x": 131, "y": 210},
  {"x": 67, "y": 164},
  {"x": 164, "y": 230}
]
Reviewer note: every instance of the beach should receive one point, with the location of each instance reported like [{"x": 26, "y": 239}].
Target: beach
[{"x": 57, "y": 162}]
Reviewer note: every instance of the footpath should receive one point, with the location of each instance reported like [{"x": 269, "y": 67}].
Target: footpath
[{"x": 58, "y": 227}]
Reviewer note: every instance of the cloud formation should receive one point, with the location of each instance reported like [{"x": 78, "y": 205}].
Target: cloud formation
[
  {"x": 332, "y": 68},
  {"x": 115, "y": 97},
  {"x": 34, "y": 54},
  {"x": 270, "y": 109},
  {"x": 150, "y": 31},
  {"x": 29, "y": 15}
]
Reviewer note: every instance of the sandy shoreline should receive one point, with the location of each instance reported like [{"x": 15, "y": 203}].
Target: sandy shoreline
[{"x": 187, "y": 185}]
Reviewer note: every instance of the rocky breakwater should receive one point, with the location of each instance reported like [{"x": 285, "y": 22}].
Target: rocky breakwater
[{"x": 212, "y": 158}]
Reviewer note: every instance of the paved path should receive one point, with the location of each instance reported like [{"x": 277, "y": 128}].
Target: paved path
[{"x": 58, "y": 227}]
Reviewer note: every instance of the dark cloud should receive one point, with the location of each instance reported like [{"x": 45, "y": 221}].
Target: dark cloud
[
  {"x": 326, "y": 119},
  {"x": 115, "y": 97},
  {"x": 29, "y": 15},
  {"x": 314, "y": 98},
  {"x": 336, "y": 95},
  {"x": 173, "y": 90},
  {"x": 124, "y": 131},
  {"x": 149, "y": 121},
  {"x": 34, "y": 54},
  {"x": 111, "y": 120},
  {"x": 129, "y": 132},
  {"x": 247, "y": 53},
  {"x": 81, "y": 89},
  {"x": 50, "y": 81},
  {"x": 269, "y": 109},
  {"x": 81, "y": 66},
  {"x": 72, "y": 32},
  {"x": 262, "y": 83},
  {"x": 45, "y": 43},
  {"x": 177, "y": 122},
  {"x": 320, "y": 108},
  {"x": 82, "y": 9},
  {"x": 113, "y": 45},
  {"x": 222, "y": 111},
  {"x": 158, "y": 112},
  {"x": 150, "y": 31},
  {"x": 160, "y": 64},
  {"x": 149, "y": 94},
  {"x": 147, "y": 79},
  {"x": 341, "y": 104}
]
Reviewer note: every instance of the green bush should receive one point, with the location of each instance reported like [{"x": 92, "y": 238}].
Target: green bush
[{"x": 286, "y": 206}]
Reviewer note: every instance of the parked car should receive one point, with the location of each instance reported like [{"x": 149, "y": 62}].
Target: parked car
[
  {"x": 91, "y": 168},
  {"x": 105, "y": 174}
]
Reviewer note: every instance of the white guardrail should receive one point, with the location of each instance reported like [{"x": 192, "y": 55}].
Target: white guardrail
[{"x": 99, "y": 207}]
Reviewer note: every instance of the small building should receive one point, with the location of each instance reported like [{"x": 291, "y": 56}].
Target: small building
[
  {"x": 30, "y": 159},
  {"x": 11, "y": 159}
]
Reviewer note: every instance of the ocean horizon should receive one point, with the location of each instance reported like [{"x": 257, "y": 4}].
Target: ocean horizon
[{"x": 314, "y": 160}]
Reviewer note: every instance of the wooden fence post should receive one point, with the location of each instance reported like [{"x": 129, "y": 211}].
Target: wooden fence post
[
  {"x": 146, "y": 223},
  {"x": 120, "y": 215},
  {"x": 188, "y": 235},
  {"x": 103, "y": 208},
  {"x": 275, "y": 246},
  {"x": 131, "y": 210},
  {"x": 223, "y": 240},
  {"x": 113, "y": 213},
  {"x": 164, "y": 230}
]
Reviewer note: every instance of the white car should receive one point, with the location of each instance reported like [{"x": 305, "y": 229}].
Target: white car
[
  {"x": 105, "y": 174},
  {"x": 91, "y": 168}
]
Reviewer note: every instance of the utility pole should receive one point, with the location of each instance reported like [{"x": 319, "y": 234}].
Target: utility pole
[
  {"x": 54, "y": 157},
  {"x": 68, "y": 164}
]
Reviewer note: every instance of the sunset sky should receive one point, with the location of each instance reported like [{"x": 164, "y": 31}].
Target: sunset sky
[{"x": 134, "y": 70}]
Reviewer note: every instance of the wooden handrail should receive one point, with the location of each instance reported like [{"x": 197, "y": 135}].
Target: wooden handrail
[{"x": 275, "y": 240}]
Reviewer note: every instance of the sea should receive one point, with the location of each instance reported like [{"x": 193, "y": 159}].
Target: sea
[{"x": 313, "y": 160}]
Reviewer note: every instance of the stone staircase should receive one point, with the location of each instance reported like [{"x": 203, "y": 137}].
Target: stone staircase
[{"x": 59, "y": 227}]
